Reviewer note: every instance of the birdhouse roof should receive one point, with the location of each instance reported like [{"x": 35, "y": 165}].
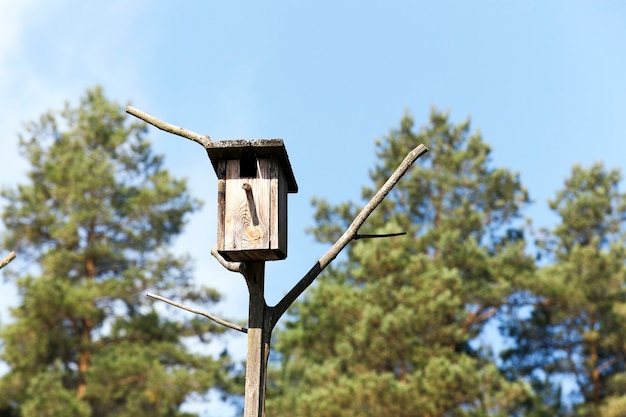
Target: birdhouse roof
[{"x": 256, "y": 148}]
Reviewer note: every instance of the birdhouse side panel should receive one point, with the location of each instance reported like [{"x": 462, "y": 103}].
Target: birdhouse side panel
[
  {"x": 278, "y": 238},
  {"x": 221, "y": 211}
]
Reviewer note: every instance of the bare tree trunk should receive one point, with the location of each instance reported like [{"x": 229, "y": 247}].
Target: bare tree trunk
[
  {"x": 595, "y": 370},
  {"x": 259, "y": 333},
  {"x": 84, "y": 355}
]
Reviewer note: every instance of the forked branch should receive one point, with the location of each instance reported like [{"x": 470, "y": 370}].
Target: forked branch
[
  {"x": 203, "y": 140},
  {"x": 202, "y": 313},
  {"x": 4, "y": 262},
  {"x": 350, "y": 234}
]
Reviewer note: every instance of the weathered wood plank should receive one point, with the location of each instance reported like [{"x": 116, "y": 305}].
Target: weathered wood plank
[
  {"x": 247, "y": 211},
  {"x": 274, "y": 221},
  {"x": 281, "y": 215},
  {"x": 221, "y": 206}
]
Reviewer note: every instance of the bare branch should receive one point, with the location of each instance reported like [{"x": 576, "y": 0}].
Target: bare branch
[
  {"x": 279, "y": 309},
  {"x": 606, "y": 365},
  {"x": 7, "y": 259},
  {"x": 360, "y": 236},
  {"x": 231, "y": 266},
  {"x": 202, "y": 313},
  {"x": 203, "y": 140},
  {"x": 487, "y": 314}
]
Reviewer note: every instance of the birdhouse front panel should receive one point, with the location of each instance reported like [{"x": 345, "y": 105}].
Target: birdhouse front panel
[{"x": 254, "y": 213}]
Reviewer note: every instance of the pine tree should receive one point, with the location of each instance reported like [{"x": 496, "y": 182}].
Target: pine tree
[
  {"x": 576, "y": 330},
  {"x": 95, "y": 219},
  {"x": 392, "y": 329}
]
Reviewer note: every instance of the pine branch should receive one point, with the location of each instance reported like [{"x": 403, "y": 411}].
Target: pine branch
[
  {"x": 202, "y": 313},
  {"x": 350, "y": 234},
  {"x": 203, "y": 140},
  {"x": 7, "y": 259}
]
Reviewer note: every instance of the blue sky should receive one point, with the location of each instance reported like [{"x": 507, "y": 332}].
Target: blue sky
[{"x": 544, "y": 81}]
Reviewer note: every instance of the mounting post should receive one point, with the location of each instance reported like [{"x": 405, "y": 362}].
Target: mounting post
[{"x": 259, "y": 335}]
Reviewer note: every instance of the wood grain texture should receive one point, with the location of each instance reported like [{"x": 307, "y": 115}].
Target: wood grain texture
[{"x": 247, "y": 212}]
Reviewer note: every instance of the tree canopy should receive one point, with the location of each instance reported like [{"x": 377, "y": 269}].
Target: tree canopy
[
  {"x": 576, "y": 330},
  {"x": 96, "y": 219},
  {"x": 472, "y": 313},
  {"x": 389, "y": 330}
]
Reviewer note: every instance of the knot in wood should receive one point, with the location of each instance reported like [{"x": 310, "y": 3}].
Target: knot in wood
[{"x": 254, "y": 234}]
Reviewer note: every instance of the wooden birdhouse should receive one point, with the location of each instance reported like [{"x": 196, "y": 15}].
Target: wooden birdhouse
[{"x": 254, "y": 177}]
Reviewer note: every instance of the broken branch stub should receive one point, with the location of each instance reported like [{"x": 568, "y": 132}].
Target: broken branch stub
[
  {"x": 203, "y": 140},
  {"x": 4, "y": 262}
]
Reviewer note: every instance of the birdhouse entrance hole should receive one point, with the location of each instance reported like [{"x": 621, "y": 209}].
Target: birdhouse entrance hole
[{"x": 248, "y": 167}]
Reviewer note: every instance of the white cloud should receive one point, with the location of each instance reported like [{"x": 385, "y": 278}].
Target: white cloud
[
  {"x": 12, "y": 15},
  {"x": 49, "y": 54}
]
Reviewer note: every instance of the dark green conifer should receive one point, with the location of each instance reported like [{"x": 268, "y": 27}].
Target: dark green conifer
[
  {"x": 576, "y": 331},
  {"x": 391, "y": 330},
  {"x": 96, "y": 219}
]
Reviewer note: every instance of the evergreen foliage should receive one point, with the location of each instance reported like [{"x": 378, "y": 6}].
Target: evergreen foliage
[
  {"x": 96, "y": 218},
  {"x": 394, "y": 327},
  {"x": 389, "y": 330},
  {"x": 576, "y": 331}
]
